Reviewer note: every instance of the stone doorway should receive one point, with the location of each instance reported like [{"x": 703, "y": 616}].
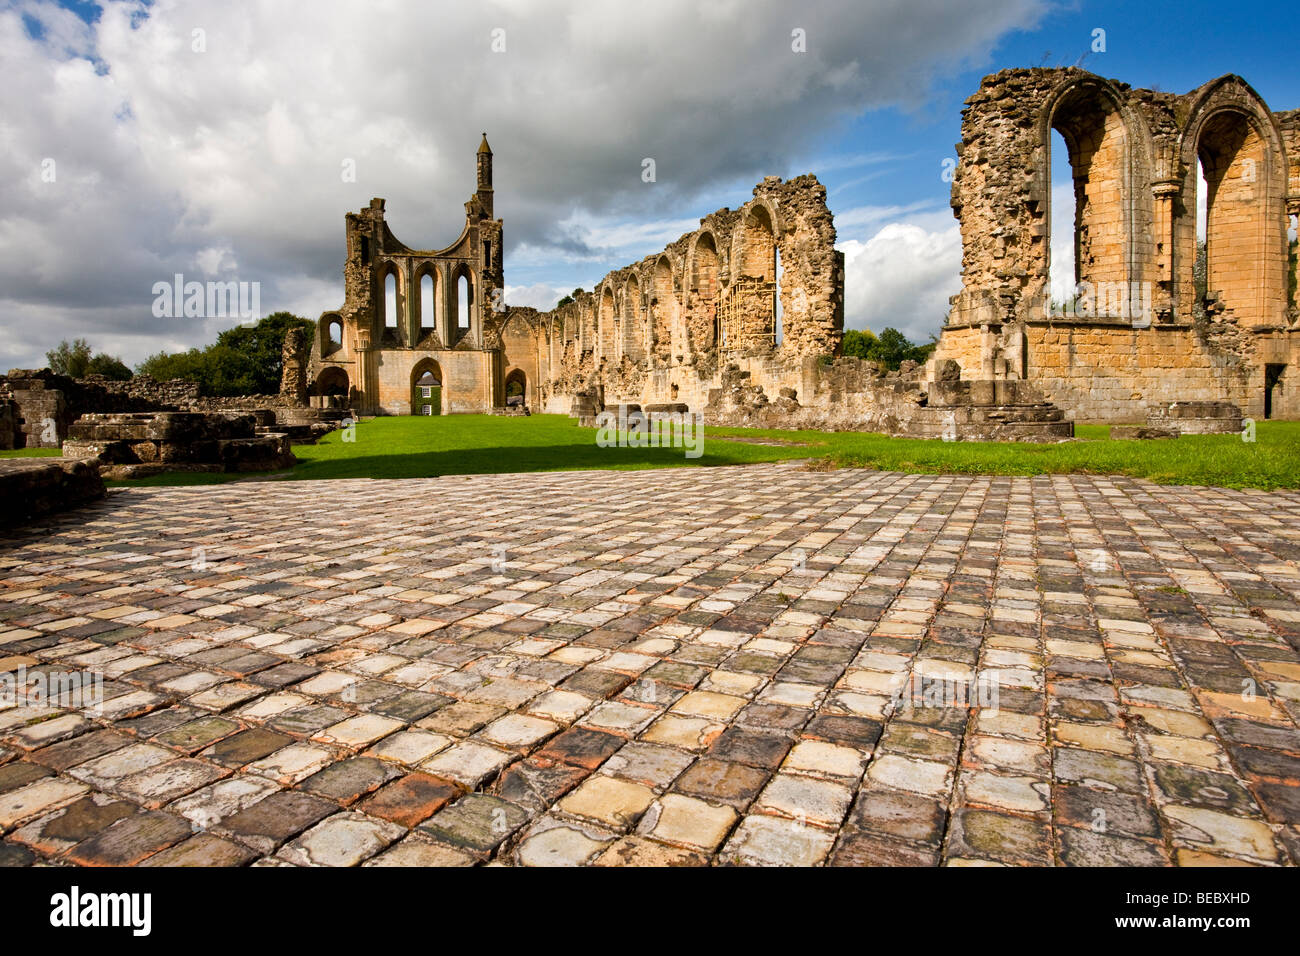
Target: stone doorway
[
  {"x": 426, "y": 389},
  {"x": 1272, "y": 388}
]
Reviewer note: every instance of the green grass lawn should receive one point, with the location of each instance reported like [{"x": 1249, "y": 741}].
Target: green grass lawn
[{"x": 416, "y": 447}]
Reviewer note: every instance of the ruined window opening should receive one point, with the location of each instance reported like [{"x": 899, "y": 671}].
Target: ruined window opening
[
  {"x": 487, "y": 254},
  {"x": 464, "y": 298},
  {"x": 704, "y": 318},
  {"x": 1242, "y": 261},
  {"x": 1095, "y": 142},
  {"x": 777, "y": 332},
  {"x": 390, "y": 301},
  {"x": 365, "y": 250},
  {"x": 633, "y": 324},
  {"x": 607, "y": 325},
  {"x": 1200, "y": 265},
  {"x": 333, "y": 336},
  {"x": 1063, "y": 271},
  {"x": 661, "y": 313},
  {"x": 428, "y": 303}
]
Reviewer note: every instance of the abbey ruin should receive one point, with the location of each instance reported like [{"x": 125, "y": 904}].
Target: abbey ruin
[
  {"x": 742, "y": 319},
  {"x": 1140, "y": 333}
]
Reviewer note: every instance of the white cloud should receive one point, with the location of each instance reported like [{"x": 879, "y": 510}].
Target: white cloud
[
  {"x": 901, "y": 277},
  {"x": 539, "y": 295},
  {"x": 164, "y": 154}
]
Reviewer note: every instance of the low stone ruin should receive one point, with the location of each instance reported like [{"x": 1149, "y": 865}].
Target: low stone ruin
[
  {"x": 1140, "y": 433},
  {"x": 1196, "y": 418},
  {"x": 851, "y": 394},
  {"x": 136, "y": 445},
  {"x": 34, "y": 487}
]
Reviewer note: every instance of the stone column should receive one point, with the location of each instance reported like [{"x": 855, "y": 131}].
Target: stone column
[
  {"x": 1164, "y": 194},
  {"x": 367, "y": 399}
]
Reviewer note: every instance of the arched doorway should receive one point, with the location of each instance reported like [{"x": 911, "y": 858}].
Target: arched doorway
[
  {"x": 426, "y": 388},
  {"x": 516, "y": 389},
  {"x": 332, "y": 381}
]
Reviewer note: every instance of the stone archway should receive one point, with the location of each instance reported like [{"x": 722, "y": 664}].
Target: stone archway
[
  {"x": 333, "y": 386},
  {"x": 516, "y": 389},
  {"x": 426, "y": 388}
]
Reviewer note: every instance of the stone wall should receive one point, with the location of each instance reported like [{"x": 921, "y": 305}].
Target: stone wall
[
  {"x": 359, "y": 359},
  {"x": 663, "y": 329},
  {"x": 1138, "y": 332},
  {"x": 32, "y": 488}
]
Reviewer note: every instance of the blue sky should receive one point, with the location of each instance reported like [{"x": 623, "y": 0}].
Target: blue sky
[{"x": 223, "y": 162}]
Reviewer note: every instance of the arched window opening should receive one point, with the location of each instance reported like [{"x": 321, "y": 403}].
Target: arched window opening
[
  {"x": 464, "y": 301},
  {"x": 1063, "y": 268},
  {"x": 390, "y": 301},
  {"x": 1244, "y": 246},
  {"x": 1088, "y": 261},
  {"x": 607, "y": 325},
  {"x": 428, "y": 304},
  {"x": 704, "y": 315},
  {"x": 777, "y": 333}
]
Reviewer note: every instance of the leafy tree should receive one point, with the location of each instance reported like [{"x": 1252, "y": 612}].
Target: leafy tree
[
  {"x": 860, "y": 344},
  {"x": 69, "y": 358},
  {"x": 245, "y": 360},
  {"x": 191, "y": 366},
  {"x": 890, "y": 349},
  {"x": 75, "y": 360},
  {"x": 262, "y": 345},
  {"x": 109, "y": 366}
]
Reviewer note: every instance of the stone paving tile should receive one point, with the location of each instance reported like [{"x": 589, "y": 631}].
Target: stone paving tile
[{"x": 768, "y": 672}]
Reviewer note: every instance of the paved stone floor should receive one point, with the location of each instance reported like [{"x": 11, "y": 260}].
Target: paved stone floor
[{"x": 659, "y": 667}]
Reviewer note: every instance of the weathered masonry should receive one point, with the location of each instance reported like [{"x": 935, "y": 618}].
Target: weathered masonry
[
  {"x": 740, "y": 320},
  {"x": 760, "y": 287},
  {"x": 1142, "y": 330},
  {"x": 420, "y": 330}
]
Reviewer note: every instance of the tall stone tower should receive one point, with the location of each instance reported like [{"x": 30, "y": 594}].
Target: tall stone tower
[{"x": 485, "y": 177}]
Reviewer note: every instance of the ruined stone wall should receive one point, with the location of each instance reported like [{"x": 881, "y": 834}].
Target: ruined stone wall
[
  {"x": 1137, "y": 331},
  {"x": 663, "y": 329},
  {"x": 356, "y": 348}
]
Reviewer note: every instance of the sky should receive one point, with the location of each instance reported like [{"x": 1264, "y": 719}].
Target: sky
[{"x": 225, "y": 141}]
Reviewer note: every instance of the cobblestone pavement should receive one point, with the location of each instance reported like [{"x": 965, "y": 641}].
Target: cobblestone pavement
[{"x": 659, "y": 668}]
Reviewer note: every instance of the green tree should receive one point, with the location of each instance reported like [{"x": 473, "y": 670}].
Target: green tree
[
  {"x": 263, "y": 347},
  {"x": 69, "y": 358},
  {"x": 890, "y": 349},
  {"x": 108, "y": 366},
  {"x": 191, "y": 366},
  {"x": 245, "y": 360},
  {"x": 860, "y": 344}
]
